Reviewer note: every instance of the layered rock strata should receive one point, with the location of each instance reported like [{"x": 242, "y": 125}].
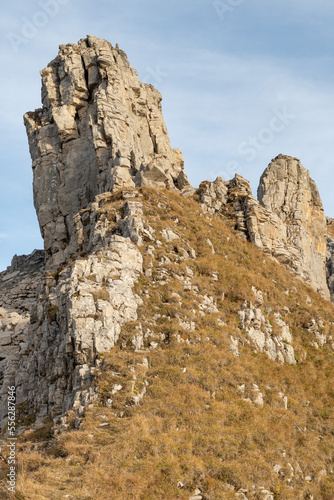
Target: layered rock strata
[
  {"x": 100, "y": 129},
  {"x": 287, "y": 190},
  {"x": 287, "y": 221},
  {"x": 52, "y": 337},
  {"x": 98, "y": 137},
  {"x": 20, "y": 286},
  {"x": 330, "y": 257}
]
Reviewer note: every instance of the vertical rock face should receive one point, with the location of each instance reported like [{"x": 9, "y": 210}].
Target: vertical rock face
[
  {"x": 287, "y": 221},
  {"x": 330, "y": 256},
  {"x": 287, "y": 190},
  {"x": 100, "y": 129},
  {"x": 54, "y": 325},
  {"x": 19, "y": 286}
]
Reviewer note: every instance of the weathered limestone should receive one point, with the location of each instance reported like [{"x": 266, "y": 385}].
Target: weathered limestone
[
  {"x": 288, "y": 191},
  {"x": 99, "y": 136},
  {"x": 89, "y": 304},
  {"x": 287, "y": 222},
  {"x": 260, "y": 331},
  {"x": 50, "y": 342},
  {"x": 19, "y": 288},
  {"x": 330, "y": 257},
  {"x": 100, "y": 129}
]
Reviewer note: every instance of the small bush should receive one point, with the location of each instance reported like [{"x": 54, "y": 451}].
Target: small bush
[{"x": 52, "y": 313}]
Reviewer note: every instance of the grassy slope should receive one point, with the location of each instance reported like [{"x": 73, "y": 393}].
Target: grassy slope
[{"x": 193, "y": 424}]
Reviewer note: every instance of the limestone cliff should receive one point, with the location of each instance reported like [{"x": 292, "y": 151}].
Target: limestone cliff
[
  {"x": 145, "y": 297},
  {"x": 99, "y": 129},
  {"x": 330, "y": 256},
  {"x": 288, "y": 191},
  {"x": 100, "y": 136},
  {"x": 73, "y": 315},
  {"x": 20, "y": 286},
  {"x": 287, "y": 221}
]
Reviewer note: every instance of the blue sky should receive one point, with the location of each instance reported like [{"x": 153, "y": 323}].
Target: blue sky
[{"x": 241, "y": 80}]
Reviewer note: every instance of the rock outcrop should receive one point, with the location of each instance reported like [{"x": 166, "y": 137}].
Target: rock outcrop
[
  {"x": 54, "y": 325},
  {"x": 287, "y": 221},
  {"x": 287, "y": 190},
  {"x": 148, "y": 322},
  {"x": 100, "y": 129},
  {"x": 20, "y": 285},
  {"x": 260, "y": 331},
  {"x": 99, "y": 136},
  {"x": 330, "y": 257}
]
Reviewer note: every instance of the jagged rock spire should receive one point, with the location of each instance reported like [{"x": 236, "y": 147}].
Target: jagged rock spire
[
  {"x": 99, "y": 129},
  {"x": 287, "y": 221},
  {"x": 286, "y": 189}
]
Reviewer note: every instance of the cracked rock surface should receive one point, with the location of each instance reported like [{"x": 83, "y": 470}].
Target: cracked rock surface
[
  {"x": 287, "y": 221},
  {"x": 99, "y": 129}
]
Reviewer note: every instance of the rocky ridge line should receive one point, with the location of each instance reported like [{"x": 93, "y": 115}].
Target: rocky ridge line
[
  {"x": 99, "y": 136},
  {"x": 287, "y": 222}
]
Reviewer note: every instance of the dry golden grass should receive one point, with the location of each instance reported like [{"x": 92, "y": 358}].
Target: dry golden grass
[{"x": 193, "y": 424}]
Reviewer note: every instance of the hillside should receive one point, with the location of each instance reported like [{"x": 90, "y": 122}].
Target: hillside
[
  {"x": 168, "y": 342},
  {"x": 186, "y": 400}
]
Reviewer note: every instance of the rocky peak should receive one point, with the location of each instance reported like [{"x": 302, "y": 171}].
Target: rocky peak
[
  {"x": 287, "y": 189},
  {"x": 287, "y": 221},
  {"x": 152, "y": 297},
  {"x": 330, "y": 256},
  {"x": 100, "y": 129},
  {"x": 286, "y": 186}
]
